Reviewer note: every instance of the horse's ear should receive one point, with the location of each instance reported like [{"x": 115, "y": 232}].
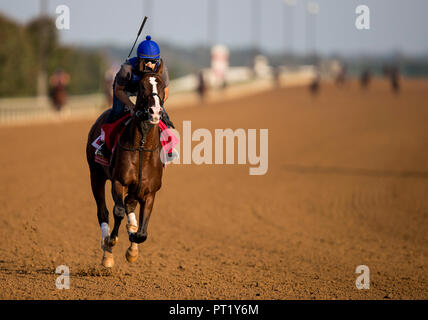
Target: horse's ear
[{"x": 160, "y": 68}]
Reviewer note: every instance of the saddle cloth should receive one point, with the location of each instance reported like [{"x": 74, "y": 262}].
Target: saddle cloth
[{"x": 110, "y": 135}]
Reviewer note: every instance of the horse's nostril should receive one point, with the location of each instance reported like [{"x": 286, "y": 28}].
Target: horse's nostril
[{"x": 151, "y": 111}]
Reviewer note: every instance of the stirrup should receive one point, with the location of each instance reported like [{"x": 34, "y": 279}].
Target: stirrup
[{"x": 172, "y": 155}]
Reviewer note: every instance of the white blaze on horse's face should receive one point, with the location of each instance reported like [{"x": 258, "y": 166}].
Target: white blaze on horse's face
[{"x": 155, "y": 111}]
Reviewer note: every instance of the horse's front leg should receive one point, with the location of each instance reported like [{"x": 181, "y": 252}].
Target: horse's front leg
[
  {"x": 131, "y": 204},
  {"x": 119, "y": 211},
  {"x": 132, "y": 227},
  {"x": 146, "y": 206}
]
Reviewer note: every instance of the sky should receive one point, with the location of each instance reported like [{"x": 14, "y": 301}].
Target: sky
[{"x": 395, "y": 25}]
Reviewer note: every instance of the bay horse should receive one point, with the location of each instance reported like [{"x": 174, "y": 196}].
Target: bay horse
[
  {"x": 58, "y": 82},
  {"x": 135, "y": 171}
]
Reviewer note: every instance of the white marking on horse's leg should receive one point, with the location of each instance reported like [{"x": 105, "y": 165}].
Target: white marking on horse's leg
[
  {"x": 131, "y": 219},
  {"x": 132, "y": 225},
  {"x": 105, "y": 230}
]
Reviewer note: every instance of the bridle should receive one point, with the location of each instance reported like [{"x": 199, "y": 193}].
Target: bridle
[{"x": 144, "y": 126}]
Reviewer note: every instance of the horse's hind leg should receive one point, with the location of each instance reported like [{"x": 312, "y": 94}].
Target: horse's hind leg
[
  {"x": 98, "y": 181},
  {"x": 132, "y": 227}
]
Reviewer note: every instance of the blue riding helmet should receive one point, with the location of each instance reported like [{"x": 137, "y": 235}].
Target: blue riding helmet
[{"x": 148, "y": 49}]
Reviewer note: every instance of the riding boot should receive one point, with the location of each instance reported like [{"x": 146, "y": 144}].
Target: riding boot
[
  {"x": 165, "y": 119},
  {"x": 102, "y": 151}
]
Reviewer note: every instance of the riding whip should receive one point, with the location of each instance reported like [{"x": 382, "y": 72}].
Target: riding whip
[{"x": 139, "y": 32}]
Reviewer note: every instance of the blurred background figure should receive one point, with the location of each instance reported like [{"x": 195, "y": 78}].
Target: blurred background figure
[
  {"x": 285, "y": 43},
  {"x": 392, "y": 74},
  {"x": 341, "y": 75},
  {"x": 219, "y": 65},
  {"x": 262, "y": 70},
  {"x": 314, "y": 86},
  {"x": 277, "y": 76},
  {"x": 58, "y": 83},
  {"x": 201, "y": 88},
  {"x": 395, "y": 79},
  {"x": 108, "y": 83},
  {"x": 365, "y": 78}
]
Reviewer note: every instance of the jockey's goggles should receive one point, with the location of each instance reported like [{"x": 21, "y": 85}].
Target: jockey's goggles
[{"x": 153, "y": 61}]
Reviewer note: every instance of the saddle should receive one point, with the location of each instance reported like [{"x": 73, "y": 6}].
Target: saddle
[
  {"x": 113, "y": 130},
  {"x": 110, "y": 133}
]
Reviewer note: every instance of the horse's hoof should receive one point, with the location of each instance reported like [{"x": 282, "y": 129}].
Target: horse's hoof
[
  {"x": 131, "y": 228},
  {"x": 110, "y": 242},
  {"x": 131, "y": 254},
  {"x": 107, "y": 260}
]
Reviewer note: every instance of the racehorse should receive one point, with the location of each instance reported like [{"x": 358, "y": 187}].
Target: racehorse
[
  {"x": 58, "y": 82},
  {"x": 59, "y": 97},
  {"x": 135, "y": 171}
]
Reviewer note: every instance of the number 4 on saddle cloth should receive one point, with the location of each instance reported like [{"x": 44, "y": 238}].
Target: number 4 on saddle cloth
[{"x": 110, "y": 135}]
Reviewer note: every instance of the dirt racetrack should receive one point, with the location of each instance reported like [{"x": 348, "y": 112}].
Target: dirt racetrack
[{"x": 347, "y": 185}]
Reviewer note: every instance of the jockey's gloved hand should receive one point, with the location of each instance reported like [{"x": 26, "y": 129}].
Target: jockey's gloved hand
[{"x": 130, "y": 109}]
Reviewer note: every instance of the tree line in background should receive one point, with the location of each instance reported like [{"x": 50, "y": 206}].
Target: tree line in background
[
  {"x": 21, "y": 55},
  {"x": 24, "y": 48}
]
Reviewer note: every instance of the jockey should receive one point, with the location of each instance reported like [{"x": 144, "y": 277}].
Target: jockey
[{"x": 126, "y": 84}]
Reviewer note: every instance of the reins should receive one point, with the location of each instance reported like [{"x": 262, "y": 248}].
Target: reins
[
  {"x": 143, "y": 139},
  {"x": 140, "y": 149},
  {"x": 141, "y": 116}
]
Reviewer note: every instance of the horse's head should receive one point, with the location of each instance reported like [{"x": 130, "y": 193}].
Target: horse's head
[{"x": 151, "y": 95}]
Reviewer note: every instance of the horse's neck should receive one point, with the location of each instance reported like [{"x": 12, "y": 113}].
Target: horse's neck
[
  {"x": 152, "y": 137},
  {"x": 134, "y": 136}
]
